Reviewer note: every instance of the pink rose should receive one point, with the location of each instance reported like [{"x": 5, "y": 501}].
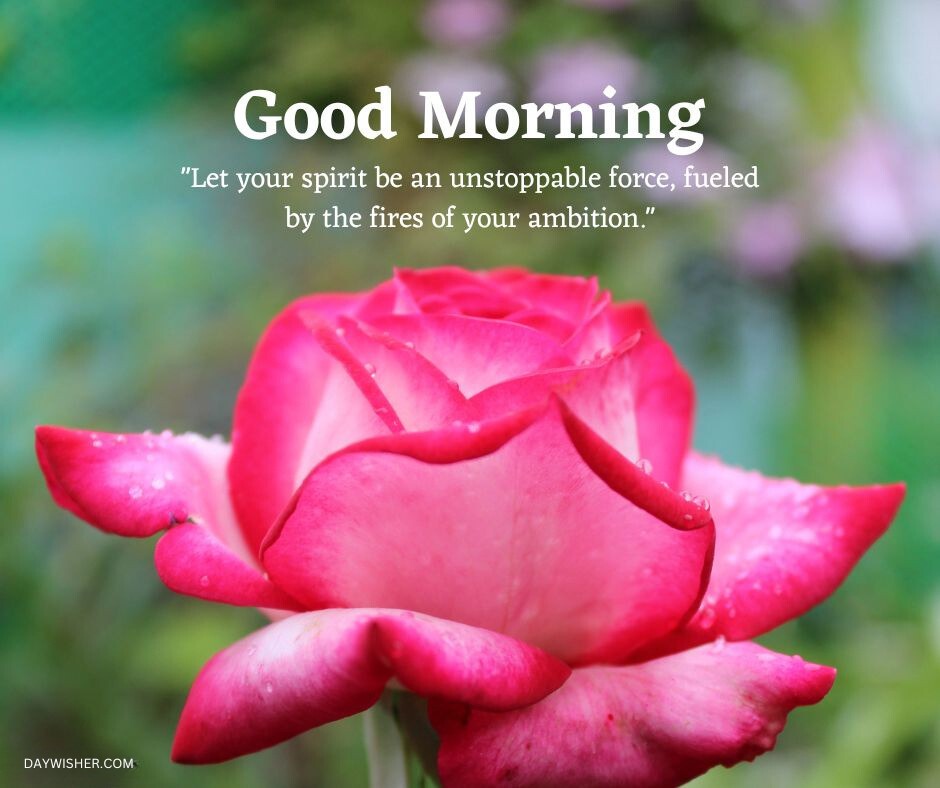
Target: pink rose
[{"x": 472, "y": 484}]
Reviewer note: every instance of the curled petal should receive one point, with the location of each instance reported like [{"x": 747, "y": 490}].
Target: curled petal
[
  {"x": 313, "y": 668},
  {"x": 636, "y": 398},
  {"x": 655, "y": 724},
  {"x": 631, "y": 481},
  {"x": 781, "y": 546},
  {"x": 136, "y": 485}
]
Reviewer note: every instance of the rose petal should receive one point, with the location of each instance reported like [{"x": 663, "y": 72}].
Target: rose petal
[
  {"x": 660, "y": 723},
  {"x": 566, "y": 563},
  {"x": 475, "y": 352},
  {"x": 781, "y": 546},
  {"x": 313, "y": 668},
  {"x": 296, "y": 406},
  {"x": 191, "y": 560},
  {"x": 637, "y": 398},
  {"x": 607, "y": 328},
  {"x": 631, "y": 481},
  {"x": 457, "y": 291},
  {"x": 421, "y": 395},
  {"x": 136, "y": 485},
  {"x": 568, "y": 297}
]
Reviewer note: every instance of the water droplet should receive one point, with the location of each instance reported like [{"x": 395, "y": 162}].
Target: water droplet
[
  {"x": 687, "y": 518},
  {"x": 644, "y": 465},
  {"x": 97, "y": 444},
  {"x": 269, "y": 688},
  {"x": 158, "y": 483},
  {"x": 135, "y": 492},
  {"x": 706, "y": 618},
  {"x": 410, "y": 345},
  {"x": 340, "y": 332},
  {"x": 204, "y": 581},
  {"x": 686, "y": 496},
  {"x": 473, "y": 427},
  {"x": 120, "y": 439},
  {"x": 370, "y": 368},
  {"x": 702, "y": 502},
  {"x": 719, "y": 645}
]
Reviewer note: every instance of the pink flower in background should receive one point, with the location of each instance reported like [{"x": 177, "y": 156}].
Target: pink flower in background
[
  {"x": 480, "y": 486},
  {"x": 451, "y": 75},
  {"x": 580, "y": 72},
  {"x": 465, "y": 23},
  {"x": 767, "y": 238},
  {"x": 869, "y": 194}
]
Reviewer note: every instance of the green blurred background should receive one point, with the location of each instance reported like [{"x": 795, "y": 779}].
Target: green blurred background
[{"x": 808, "y": 314}]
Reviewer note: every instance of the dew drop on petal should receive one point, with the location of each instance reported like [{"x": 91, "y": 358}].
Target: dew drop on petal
[
  {"x": 686, "y": 496},
  {"x": 645, "y": 465},
  {"x": 158, "y": 483},
  {"x": 135, "y": 492},
  {"x": 706, "y": 618},
  {"x": 702, "y": 502},
  {"x": 410, "y": 345},
  {"x": 120, "y": 438},
  {"x": 340, "y": 332},
  {"x": 97, "y": 443},
  {"x": 370, "y": 368},
  {"x": 473, "y": 427},
  {"x": 204, "y": 581},
  {"x": 719, "y": 645},
  {"x": 269, "y": 688}
]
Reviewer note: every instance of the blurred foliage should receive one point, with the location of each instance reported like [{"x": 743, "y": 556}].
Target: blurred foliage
[{"x": 128, "y": 302}]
